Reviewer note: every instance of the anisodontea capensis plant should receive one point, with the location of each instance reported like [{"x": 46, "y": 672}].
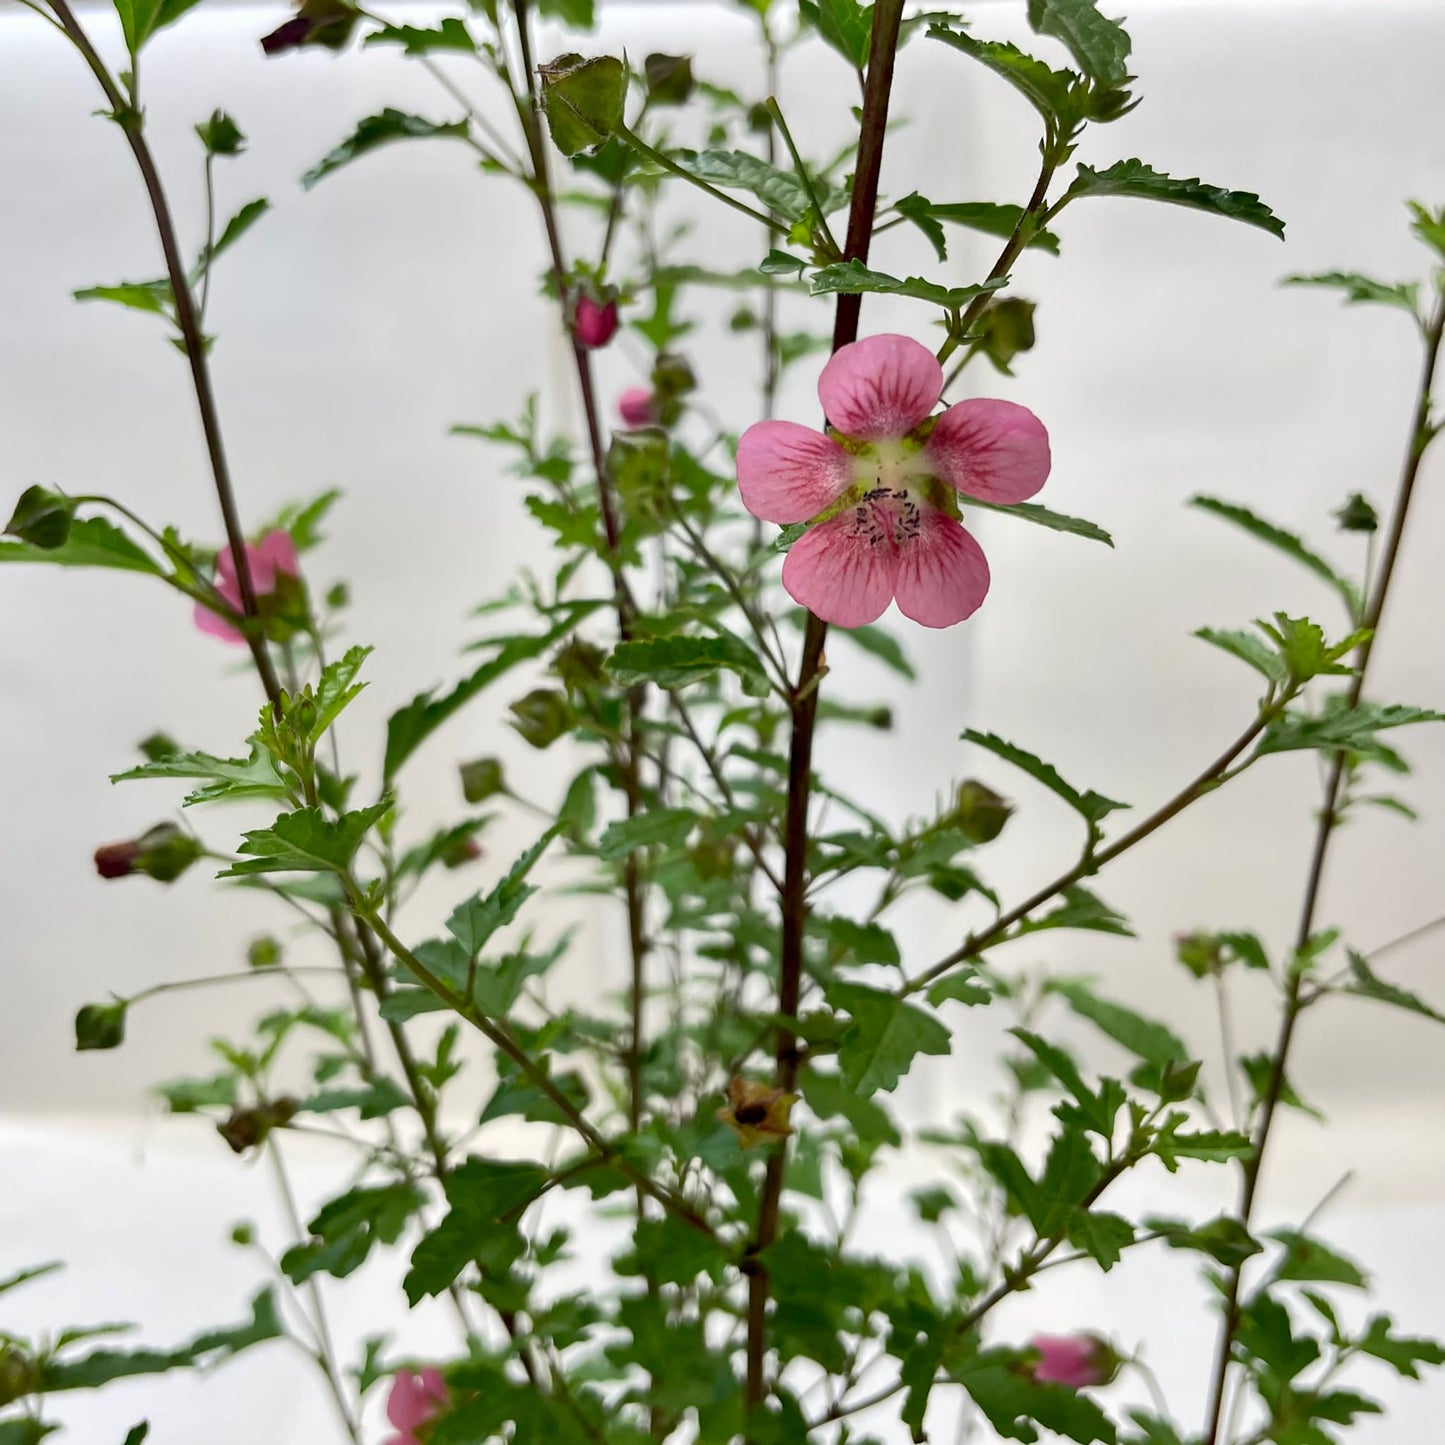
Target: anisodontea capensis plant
[{"x": 711, "y": 1139}]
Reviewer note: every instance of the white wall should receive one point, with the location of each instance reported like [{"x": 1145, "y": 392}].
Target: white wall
[{"x": 359, "y": 321}]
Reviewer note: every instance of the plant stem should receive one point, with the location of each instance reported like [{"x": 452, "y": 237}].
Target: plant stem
[
  {"x": 1421, "y": 436},
  {"x": 887, "y": 17},
  {"x": 130, "y": 121}
]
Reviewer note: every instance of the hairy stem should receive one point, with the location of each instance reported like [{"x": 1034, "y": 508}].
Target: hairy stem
[
  {"x": 1421, "y": 435},
  {"x": 887, "y": 17}
]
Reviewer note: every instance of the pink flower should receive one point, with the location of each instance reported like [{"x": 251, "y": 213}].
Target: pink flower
[
  {"x": 1073, "y": 1360},
  {"x": 272, "y": 558},
  {"x": 413, "y": 1401},
  {"x": 594, "y": 325},
  {"x": 637, "y": 407},
  {"x": 880, "y": 487}
]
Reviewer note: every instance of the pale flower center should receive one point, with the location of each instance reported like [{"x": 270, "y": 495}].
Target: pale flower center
[{"x": 892, "y": 485}]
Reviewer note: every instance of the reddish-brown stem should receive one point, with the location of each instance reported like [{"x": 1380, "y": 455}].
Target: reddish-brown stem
[{"x": 887, "y": 16}]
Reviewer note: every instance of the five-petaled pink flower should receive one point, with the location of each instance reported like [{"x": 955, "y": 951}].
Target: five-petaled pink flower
[
  {"x": 414, "y": 1399},
  {"x": 637, "y": 407},
  {"x": 272, "y": 558},
  {"x": 1073, "y": 1360},
  {"x": 880, "y": 487}
]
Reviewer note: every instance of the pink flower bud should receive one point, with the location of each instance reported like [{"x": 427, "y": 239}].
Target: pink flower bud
[
  {"x": 162, "y": 853},
  {"x": 272, "y": 558},
  {"x": 415, "y": 1398},
  {"x": 637, "y": 406},
  {"x": 1073, "y": 1360},
  {"x": 594, "y": 325}
]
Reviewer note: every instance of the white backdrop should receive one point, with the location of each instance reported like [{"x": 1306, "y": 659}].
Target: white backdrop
[{"x": 361, "y": 320}]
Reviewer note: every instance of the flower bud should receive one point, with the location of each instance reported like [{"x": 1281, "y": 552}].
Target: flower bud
[
  {"x": 19, "y": 1375},
  {"x": 1357, "y": 515},
  {"x": 100, "y": 1026},
  {"x": 1201, "y": 953},
  {"x": 246, "y": 1129},
  {"x": 464, "y": 851},
  {"x": 542, "y": 716},
  {"x": 162, "y": 853},
  {"x": 1076, "y": 1361},
  {"x": 978, "y": 812},
  {"x": 157, "y": 746},
  {"x": 327, "y": 23},
  {"x": 669, "y": 78},
  {"x": 42, "y": 518},
  {"x": 263, "y": 952},
  {"x": 594, "y": 324},
  {"x": 482, "y": 778},
  {"x": 637, "y": 407}
]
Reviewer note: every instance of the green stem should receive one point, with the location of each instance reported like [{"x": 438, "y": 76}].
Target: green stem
[
  {"x": 1421, "y": 435},
  {"x": 775, "y": 110}
]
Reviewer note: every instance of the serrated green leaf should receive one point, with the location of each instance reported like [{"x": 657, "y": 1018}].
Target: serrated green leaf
[
  {"x": 886, "y": 1035},
  {"x": 1044, "y": 517},
  {"x": 1051, "y": 92},
  {"x": 1135, "y": 179},
  {"x": 99, "y": 1367},
  {"x": 1225, "y": 1239},
  {"x": 828, "y": 1097},
  {"x": 583, "y": 99},
  {"x": 853, "y": 277},
  {"x": 1366, "y": 983},
  {"x": 346, "y": 1230},
  {"x": 474, "y": 922},
  {"x": 231, "y": 232},
  {"x": 1092, "y": 807},
  {"x": 1363, "y": 290},
  {"x": 153, "y": 296},
  {"x": 959, "y": 987},
  {"x": 92, "y": 542},
  {"x": 140, "y": 19},
  {"x": 984, "y": 216},
  {"x": 1308, "y": 1259},
  {"x": 780, "y": 191},
  {"x": 846, "y": 25},
  {"x": 1102, "y": 1236},
  {"x": 1153, "y": 1042},
  {"x": 1014, "y": 1403},
  {"x": 860, "y": 942},
  {"x": 376, "y": 131},
  {"x": 1078, "y": 908},
  {"x": 255, "y": 776},
  {"x": 306, "y": 841},
  {"x": 1350, "y": 728},
  {"x": 1100, "y": 47},
  {"x": 24, "y": 1276},
  {"x": 1248, "y": 648},
  {"x": 658, "y": 827},
  {"x": 451, "y": 34},
  {"x": 672, "y": 662},
  {"x": 1403, "y": 1353}
]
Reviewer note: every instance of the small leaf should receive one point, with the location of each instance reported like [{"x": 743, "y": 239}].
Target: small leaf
[
  {"x": 886, "y": 1035},
  {"x": 1362, "y": 290},
  {"x": 475, "y": 921},
  {"x": 1092, "y": 807},
  {"x": 1350, "y": 728},
  {"x": 852, "y": 277},
  {"x": 846, "y": 25},
  {"x": 140, "y": 19},
  {"x": 1306, "y": 1258},
  {"x": 1043, "y": 517},
  {"x": 452, "y": 34},
  {"x": 1368, "y": 984},
  {"x": 153, "y": 296},
  {"x": 780, "y": 191},
  {"x": 984, "y": 216},
  {"x": 658, "y": 827},
  {"x": 92, "y": 542},
  {"x": 1153, "y": 1042},
  {"x": 1225, "y": 1239},
  {"x": 1134, "y": 178},
  {"x": 306, "y": 841},
  {"x": 24, "y": 1276},
  {"x": 583, "y": 100},
  {"x": 1248, "y": 648},
  {"x": 220, "y": 135},
  {"x": 376, "y": 131},
  {"x": 1051, "y": 92},
  {"x": 255, "y": 776},
  {"x": 672, "y": 662},
  {"x": 1099, "y": 46}
]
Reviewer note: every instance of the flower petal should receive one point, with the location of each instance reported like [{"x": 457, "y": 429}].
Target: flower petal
[
  {"x": 789, "y": 473},
  {"x": 881, "y": 386},
  {"x": 994, "y": 450},
  {"x": 409, "y": 1404},
  {"x": 842, "y": 573},
  {"x": 942, "y": 572},
  {"x": 277, "y": 551},
  {"x": 214, "y": 625}
]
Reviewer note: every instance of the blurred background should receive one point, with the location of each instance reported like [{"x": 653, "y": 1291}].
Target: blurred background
[{"x": 359, "y": 322}]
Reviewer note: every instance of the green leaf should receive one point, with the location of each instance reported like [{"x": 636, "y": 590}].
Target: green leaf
[
  {"x": 231, "y": 232},
  {"x": 1281, "y": 541},
  {"x": 137, "y": 1433},
  {"x": 100, "y": 1026},
  {"x": 1306, "y": 1258},
  {"x": 1258, "y": 1070},
  {"x": 25, "y": 1430},
  {"x": 335, "y": 690},
  {"x": 1349, "y": 728},
  {"x": 1429, "y": 227},
  {"x": 140, "y": 19},
  {"x": 1043, "y": 517},
  {"x": 93, "y": 542},
  {"x": 672, "y": 662},
  {"x": 828, "y": 1097},
  {"x": 658, "y": 827},
  {"x": 780, "y": 191},
  {"x": 959, "y": 987},
  {"x": 255, "y": 776},
  {"x": 1100, "y": 47},
  {"x": 99, "y": 1367},
  {"x": 1153, "y": 1042},
  {"x": 1092, "y": 807},
  {"x": 1102, "y": 1236},
  {"x": 375, "y": 1100},
  {"x": 378, "y": 130},
  {"x": 886, "y": 1035},
  {"x": 1014, "y": 1403},
  {"x": 1402, "y": 1352},
  {"x": 1225, "y": 1240},
  {"x": 853, "y": 277},
  {"x": 487, "y": 1197},
  {"x": 529, "y": 1101},
  {"x": 584, "y": 100},
  {"x": 410, "y": 726},
  {"x": 575, "y": 14},
  {"x": 475, "y": 921},
  {"x": 985, "y": 216},
  {"x": 1249, "y": 648},
  {"x": 345, "y": 1231},
  {"x": 1266, "y": 1334},
  {"x": 859, "y": 942},
  {"x": 1215, "y": 1145},
  {"x": 24, "y": 1276},
  {"x": 846, "y": 25},
  {"x": 1051, "y": 92},
  {"x": 220, "y": 135},
  {"x": 1362, "y": 290},
  {"x": 306, "y": 842},
  {"x": 1368, "y": 984},
  {"x": 153, "y": 296},
  {"x": 451, "y": 34},
  {"x": 1079, "y": 909},
  {"x": 1134, "y": 178},
  {"x": 670, "y": 1251}
]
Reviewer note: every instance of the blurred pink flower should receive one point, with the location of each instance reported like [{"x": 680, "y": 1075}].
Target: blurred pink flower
[
  {"x": 637, "y": 406},
  {"x": 594, "y": 325},
  {"x": 1073, "y": 1360},
  {"x": 273, "y": 557},
  {"x": 415, "y": 1396},
  {"x": 881, "y": 485}
]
